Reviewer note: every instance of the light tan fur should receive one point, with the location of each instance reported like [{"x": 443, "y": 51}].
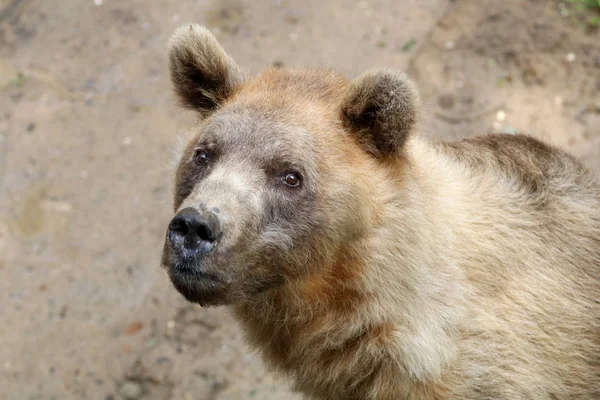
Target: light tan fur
[
  {"x": 450, "y": 271},
  {"x": 469, "y": 294}
]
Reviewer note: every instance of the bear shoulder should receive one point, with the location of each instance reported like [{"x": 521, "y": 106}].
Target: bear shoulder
[{"x": 536, "y": 166}]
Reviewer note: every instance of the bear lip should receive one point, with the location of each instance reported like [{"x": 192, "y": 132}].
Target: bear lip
[{"x": 197, "y": 286}]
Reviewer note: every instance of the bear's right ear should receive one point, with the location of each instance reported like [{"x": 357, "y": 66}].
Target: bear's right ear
[
  {"x": 380, "y": 110},
  {"x": 202, "y": 73}
]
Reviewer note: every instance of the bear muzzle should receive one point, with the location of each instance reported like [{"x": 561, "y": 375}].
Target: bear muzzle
[{"x": 191, "y": 237}]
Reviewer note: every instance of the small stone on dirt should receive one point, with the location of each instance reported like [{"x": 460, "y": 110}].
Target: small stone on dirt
[
  {"x": 446, "y": 101},
  {"x": 57, "y": 206},
  {"x": 292, "y": 19},
  {"x": 130, "y": 390},
  {"x": 558, "y": 101},
  {"x": 500, "y": 115},
  {"x": 134, "y": 328}
]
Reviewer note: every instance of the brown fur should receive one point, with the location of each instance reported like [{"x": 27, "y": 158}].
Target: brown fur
[
  {"x": 380, "y": 109},
  {"x": 401, "y": 269},
  {"x": 203, "y": 74}
]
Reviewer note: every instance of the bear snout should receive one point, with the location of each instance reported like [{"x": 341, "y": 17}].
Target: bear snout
[{"x": 192, "y": 234}]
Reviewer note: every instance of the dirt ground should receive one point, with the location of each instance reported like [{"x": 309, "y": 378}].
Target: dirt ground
[{"x": 88, "y": 121}]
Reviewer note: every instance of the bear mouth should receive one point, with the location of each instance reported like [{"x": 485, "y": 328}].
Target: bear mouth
[{"x": 197, "y": 286}]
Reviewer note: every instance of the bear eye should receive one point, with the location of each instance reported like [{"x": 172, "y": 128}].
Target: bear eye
[
  {"x": 292, "y": 179},
  {"x": 201, "y": 157}
]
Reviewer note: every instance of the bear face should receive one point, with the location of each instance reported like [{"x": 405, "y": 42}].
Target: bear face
[{"x": 273, "y": 184}]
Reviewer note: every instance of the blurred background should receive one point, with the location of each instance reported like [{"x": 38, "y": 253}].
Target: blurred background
[{"x": 87, "y": 128}]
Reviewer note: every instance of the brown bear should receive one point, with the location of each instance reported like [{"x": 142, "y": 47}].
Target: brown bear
[{"x": 366, "y": 262}]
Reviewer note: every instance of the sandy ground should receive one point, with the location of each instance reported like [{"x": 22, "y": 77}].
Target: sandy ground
[{"x": 87, "y": 124}]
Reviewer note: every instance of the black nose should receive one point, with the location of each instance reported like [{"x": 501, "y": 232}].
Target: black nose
[{"x": 192, "y": 233}]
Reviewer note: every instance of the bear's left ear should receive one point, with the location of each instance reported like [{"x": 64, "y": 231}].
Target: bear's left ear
[
  {"x": 202, "y": 73},
  {"x": 380, "y": 110}
]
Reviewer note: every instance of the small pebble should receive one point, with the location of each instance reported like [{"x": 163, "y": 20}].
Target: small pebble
[
  {"x": 57, "y": 206},
  {"x": 127, "y": 141},
  {"x": 292, "y": 19},
  {"x": 171, "y": 324},
  {"x": 558, "y": 101},
  {"x": 130, "y": 390},
  {"x": 293, "y": 36},
  {"x": 450, "y": 44},
  {"x": 500, "y": 116},
  {"x": 134, "y": 328},
  {"x": 98, "y": 2},
  {"x": 571, "y": 57},
  {"x": 446, "y": 101}
]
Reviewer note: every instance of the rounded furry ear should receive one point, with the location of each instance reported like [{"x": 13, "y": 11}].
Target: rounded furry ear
[
  {"x": 381, "y": 109},
  {"x": 202, "y": 73}
]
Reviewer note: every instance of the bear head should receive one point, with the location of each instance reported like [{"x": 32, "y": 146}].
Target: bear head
[{"x": 275, "y": 182}]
